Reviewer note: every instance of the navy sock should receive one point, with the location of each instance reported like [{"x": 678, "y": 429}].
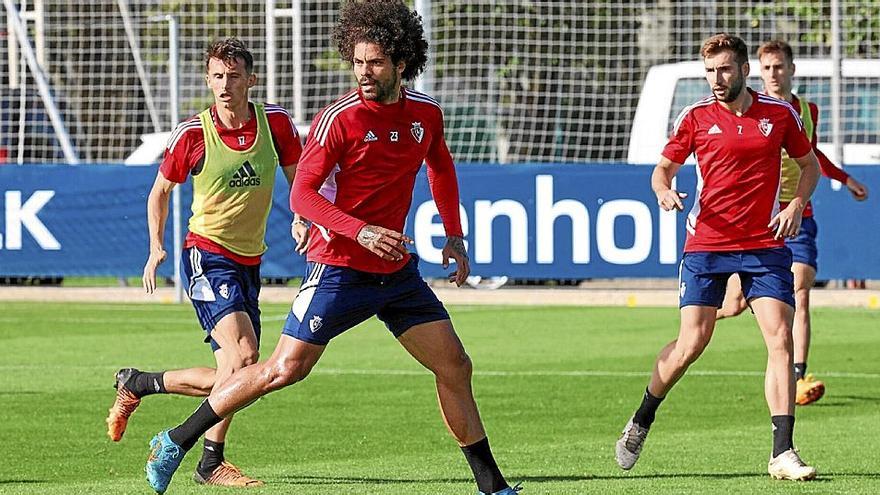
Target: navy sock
[
  {"x": 644, "y": 416},
  {"x": 187, "y": 434},
  {"x": 800, "y": 370},
  {"x": 783, "y": 430},
  {"x": 486, "y": 472}
]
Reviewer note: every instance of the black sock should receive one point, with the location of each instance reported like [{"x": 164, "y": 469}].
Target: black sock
[
  {"x": 187, "y": 434},
  {"x": 800, "y": 370},
  {"x": 143, "y": 383},
  {"x": 783, "y": 429},
  {"x": 486, "y": 472},
  {"x": 212, "y": 456},
  {"x": 645, "y": 414}
]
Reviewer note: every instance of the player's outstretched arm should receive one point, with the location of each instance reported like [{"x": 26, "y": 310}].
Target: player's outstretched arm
[
  {"x": 157, "y": 215},
  {"x": 444, "y": 188},
  {"x": 661, "y": 183}
]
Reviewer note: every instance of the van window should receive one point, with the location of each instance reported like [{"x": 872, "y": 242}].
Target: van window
[
  {"x": 861, "y": 111},
  {"x": 860, "y": 122}
]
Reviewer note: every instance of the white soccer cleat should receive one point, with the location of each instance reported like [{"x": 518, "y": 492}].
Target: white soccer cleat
[
  {"x": 629, "y": 446},
  {"x": 789, "y": 466}
]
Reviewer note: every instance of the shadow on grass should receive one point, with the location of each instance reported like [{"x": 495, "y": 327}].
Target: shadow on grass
[
  {"x": 329, "y": 480},
  {"x": 858, "y": 398},
  {"x": 21, "y": 482},
  {"x": 335, "y": 480},
  {"x": 842, "y": 401}
]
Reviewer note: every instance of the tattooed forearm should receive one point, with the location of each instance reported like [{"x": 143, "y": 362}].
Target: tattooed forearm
[{"x": 457, "y": 245}]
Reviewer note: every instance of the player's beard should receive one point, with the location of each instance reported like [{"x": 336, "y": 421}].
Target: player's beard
[
  {"x": 735, "y": 88},
  {"x": 386, "y": 91}
]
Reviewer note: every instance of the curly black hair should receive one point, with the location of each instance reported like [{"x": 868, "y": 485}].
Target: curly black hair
[{"x": 387, "y": 23}]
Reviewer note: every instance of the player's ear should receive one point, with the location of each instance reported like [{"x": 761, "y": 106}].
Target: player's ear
[
  {"x": 401, "y": 66},
  {"x": 793, "y": 68},
  {"x": 745, "y": 69},
  {"x": 252, "y": 80}
]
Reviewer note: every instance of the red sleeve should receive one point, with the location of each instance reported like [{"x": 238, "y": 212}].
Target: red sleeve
[
  {"x": 794, "y": 140},
  {"x": 318, "y": 159},
  {"x": 286, "y": 138},
  {"x": 681, "y": 142},
  {"x": 444, "y": 183},
  {"x": 185, "y": 148},
  {"x": 825, "y": 165}
]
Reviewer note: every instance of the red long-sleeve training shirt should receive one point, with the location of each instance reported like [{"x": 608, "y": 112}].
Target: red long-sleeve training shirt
[{"x": 359, "y": 167}]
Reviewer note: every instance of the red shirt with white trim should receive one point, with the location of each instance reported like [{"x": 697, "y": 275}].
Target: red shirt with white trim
[
  {"x": 185, "y": 156},
  {"x": 359, "y": 167},
  {"x": 738, "y": 170}
]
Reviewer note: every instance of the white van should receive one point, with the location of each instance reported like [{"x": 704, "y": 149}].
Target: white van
[{"x": 669, "y": 88}]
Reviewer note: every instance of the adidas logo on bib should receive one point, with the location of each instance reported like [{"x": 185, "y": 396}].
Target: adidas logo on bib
[
  {"x": 370, "y": 137},
  {"x": 245, "y": 176}
]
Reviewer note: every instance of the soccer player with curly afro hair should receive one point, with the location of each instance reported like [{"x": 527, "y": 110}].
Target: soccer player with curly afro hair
[{"x": 355, "y": 181}]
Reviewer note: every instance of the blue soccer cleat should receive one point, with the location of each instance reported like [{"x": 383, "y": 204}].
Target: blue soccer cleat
[
  {"x": 507, "y": 491},
  {"x": 165, "y": 457}
]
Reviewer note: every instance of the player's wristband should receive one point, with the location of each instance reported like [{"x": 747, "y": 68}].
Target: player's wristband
[{"x": 300, "y": 222}]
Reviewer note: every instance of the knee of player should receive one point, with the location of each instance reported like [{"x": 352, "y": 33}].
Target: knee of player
[
  {"x": 734, "y": 308},
  {"x": 689, "y": 352},
  {"x": 779, "y": 340},
  {"x": 457, "y": 367},
  {"x": 243, "y": 359},
  {"x": 250, "y": 357},
  {"x": 802, "y": 297},
  {"x": 288, "y": 372}
]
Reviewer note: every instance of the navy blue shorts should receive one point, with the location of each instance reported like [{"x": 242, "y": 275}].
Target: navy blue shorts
[
  {"x": 803, "y": 247},
  {"x": 218, "y": 286},
  {"x": 333, "y": 299},
  {"x": 702, "y": 278}
]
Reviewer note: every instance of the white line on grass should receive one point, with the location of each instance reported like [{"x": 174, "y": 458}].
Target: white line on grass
[
  {"x": 584, "y": 373},
  {"x": 538, "y": 373},
  {"x": 129, "y": 320}
]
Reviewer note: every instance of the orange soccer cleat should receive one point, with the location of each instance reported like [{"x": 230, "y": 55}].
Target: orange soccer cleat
[
  {"x": 809, "y": 390},
  {"x": 226, "y": 474},
  {"x": 125, "y": 404}
]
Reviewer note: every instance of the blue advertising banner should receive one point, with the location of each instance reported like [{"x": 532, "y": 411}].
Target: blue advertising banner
[
  {"x": 91, "y": 220},
  {"x": 524, "y": 221}
]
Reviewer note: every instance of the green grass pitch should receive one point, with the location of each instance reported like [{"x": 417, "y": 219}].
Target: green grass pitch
[{"x": 555, "y": 386}]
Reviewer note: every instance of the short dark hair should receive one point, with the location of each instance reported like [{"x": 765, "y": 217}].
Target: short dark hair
[
  {"x": 724, "y": 41},
  {"x": 228, "y": 50},
  {"x": 776, "y": 46},
  {"x": 387, "y": 23}
]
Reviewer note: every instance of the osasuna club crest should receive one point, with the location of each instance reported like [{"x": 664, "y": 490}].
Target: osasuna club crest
[
  {"x": 417, "y": 131},
  {"x": 765, "y": 127},
  {"x": 315, "y": 323}
]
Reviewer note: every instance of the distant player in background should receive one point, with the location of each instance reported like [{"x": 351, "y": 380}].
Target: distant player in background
[
  {"x": 231, "y": 151},
  {"x": 735, "y": 226},
  {"x": 355, "y": 181},
  {"x": 777, "y": 69}
]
